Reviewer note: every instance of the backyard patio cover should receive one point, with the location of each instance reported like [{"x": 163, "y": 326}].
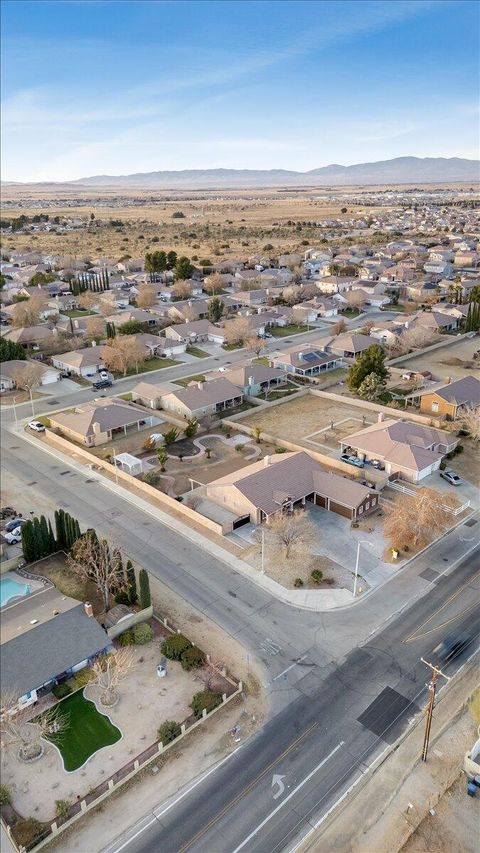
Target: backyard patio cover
[{"x": 132, "y": 463}]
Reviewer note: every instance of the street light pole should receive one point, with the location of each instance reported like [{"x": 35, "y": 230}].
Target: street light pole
[
  {"x": 115, "y": 464},
  {"x": 263, "y": 551},
  {"x": 31, "y": 402},
  {"x": 356, "y": 570},
  {"x": 15, "y": 413}
]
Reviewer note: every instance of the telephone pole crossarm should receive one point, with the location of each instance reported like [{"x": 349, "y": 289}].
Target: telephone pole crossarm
[{"x": 432, "y": 691}]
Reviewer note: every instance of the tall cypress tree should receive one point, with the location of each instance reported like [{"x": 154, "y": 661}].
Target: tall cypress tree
[
  {"x": 27, "y": 541},
  {"x": 145, "y": 597},
  {"x": 59, "y": 529},
  {"x": 132, "y": 583},
  {"x": 44, "y": 536},
  {"x": 51, "y": 539},
  {"x": 37, "y": 539}
]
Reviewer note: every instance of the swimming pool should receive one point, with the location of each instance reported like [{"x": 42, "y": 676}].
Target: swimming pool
[{"x": 10, "y": 589}]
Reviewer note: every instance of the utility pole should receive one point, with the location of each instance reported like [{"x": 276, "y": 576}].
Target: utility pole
[{"x": 432, "y": 691}]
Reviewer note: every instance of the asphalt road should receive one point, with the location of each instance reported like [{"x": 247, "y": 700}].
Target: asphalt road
[{"x": 318, "y": 679}]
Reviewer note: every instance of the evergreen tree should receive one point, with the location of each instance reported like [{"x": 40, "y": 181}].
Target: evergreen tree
[
  {"x": 60, "y": 529},
  {"x": 145, "y": 597},
  {"x": 45, "y": 536},
  {"x": 372, "y": 360},
  {"x": 132, "y": 583},
  {"x": 37, "y": 539},
  {"x": 77, "y": 531},
  {"x": 51, "y": 539},
  {"x": 28, "y": 546}
]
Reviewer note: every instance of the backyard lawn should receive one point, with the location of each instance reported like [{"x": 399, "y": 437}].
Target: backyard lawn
[
  {"x": 197, "y": 352},
  {"x": 57, "y": 570},
  {"x": 285, "y": 331},
  {"x": 87, "y": 731}
]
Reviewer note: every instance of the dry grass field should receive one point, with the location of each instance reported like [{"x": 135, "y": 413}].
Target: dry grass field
[
  {"x": 225, "y": 223},
  {"x": 454, "y": 360}
]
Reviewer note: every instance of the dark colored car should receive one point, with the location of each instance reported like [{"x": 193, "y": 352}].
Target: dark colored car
[
  {"x": 451, "y": 647},
  {"x": 103, "y": 383}
]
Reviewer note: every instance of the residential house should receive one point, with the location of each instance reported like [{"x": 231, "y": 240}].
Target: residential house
[
  {"x": 284, "y": 482},
  {"x": 252, "y": 379},
  {"x": 323, "y": 306},
  {"x": 202, "y": 398},
  {"x": 335, "y": 283},
  {"x": 349, "y": 345},
  {"x": 436, "y": 320},
  {"x": 148, "y": 318},
  {"x": 160, "y": 347},
  {"x": 194, "y": 332},
  {"x": 10, "y": 369},
  {"x": 305, "y": 361},
  {"x": 94, "y": 423},
  {"x": 451, "y": 398},
  {"x": 45, "y": 638},
  {"x": 31, "y": 336},
  {"x": 410, "y": 450},
  {"x": 86, "y": 361}
]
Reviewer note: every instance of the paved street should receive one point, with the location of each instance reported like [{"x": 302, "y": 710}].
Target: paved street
[{"x": 318, "y": 679}]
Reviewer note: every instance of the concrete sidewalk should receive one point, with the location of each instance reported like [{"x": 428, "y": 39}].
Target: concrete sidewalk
[{"x": 316, "y": 600}]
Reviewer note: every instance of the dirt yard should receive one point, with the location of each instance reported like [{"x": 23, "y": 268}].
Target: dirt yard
[
  {"x": 453, "y": 827},
  {"x": 145, "y": 702},
  {"x": 305, "y": 417},
  {"x": 451, "y": 360}
]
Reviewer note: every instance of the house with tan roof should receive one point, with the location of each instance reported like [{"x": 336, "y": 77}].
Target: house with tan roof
[
  {"x": 284, "y": 482},
  {"x": 86, "y": 361},
  {"x": 349, "y": 345},
  {"x": 160, "y": 347},
  {"x": 31, "y": 335},
  {"x": 403, "y": 448},
  {"x": 196, "y": 331},
  {"x": 450, "y": 398},
  {"x": 251, "y": 378},
  {"x": 96, "y": 423},
  {"x": 202, "y": 398},
  {"x": 11, "y": 370}
]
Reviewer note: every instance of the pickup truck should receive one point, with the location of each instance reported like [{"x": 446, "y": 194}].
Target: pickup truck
[{"x": 352, "y": 460}]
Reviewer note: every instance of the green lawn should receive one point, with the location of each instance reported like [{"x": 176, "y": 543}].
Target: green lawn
[
  {"x": 87, "y": 731},
  {"x": 152, "y": 364},
  {"x": 230, "y": 347},
  {"x": 197, "y": 352},
  {"x": 77, "y": 312},
  {"x": 262, "y": 360},
  {"x": 199, "y": 377},
  {"x": 285, "y": 331},
  {"x": 350, "y": 312}
]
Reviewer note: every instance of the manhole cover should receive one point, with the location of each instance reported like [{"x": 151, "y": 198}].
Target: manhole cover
[{"x": 471, "y": 522}]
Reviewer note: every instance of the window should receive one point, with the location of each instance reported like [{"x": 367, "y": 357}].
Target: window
[
  {"x": 367, "y": 505},
  {"x": 360, "y": 510},
  {"x": 434, "y": 407}
]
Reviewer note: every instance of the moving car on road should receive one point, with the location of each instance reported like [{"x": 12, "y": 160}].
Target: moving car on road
[{"x": 102, "y": 383}]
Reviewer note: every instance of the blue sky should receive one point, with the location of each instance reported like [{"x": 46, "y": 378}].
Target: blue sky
[{"x": 92, "y": 87}]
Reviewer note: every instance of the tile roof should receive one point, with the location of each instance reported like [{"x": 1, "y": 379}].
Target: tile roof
[
  {"x": 402, "y": 442},
  {"x": 207, "y": 393},
  {"x": 108, "y": 415}
]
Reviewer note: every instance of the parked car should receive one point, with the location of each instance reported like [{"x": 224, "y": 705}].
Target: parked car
[
  {"x": 352, "y": 460},
  {"x": 268, "y": 335},
  {"x": 65, "y": 374},
  {"x": 102, "y": 383},
  {"x": 104, "y": 374},
  {"x": 14, "y": 523},
  {"x": 14, "y": 536},
  {"x": 451, "y": 477},
  {"x": 36, "y": 426}
]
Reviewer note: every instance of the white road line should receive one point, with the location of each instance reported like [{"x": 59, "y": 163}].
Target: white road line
[
  {"x": 185, "y": 793},
  {"x": 291, "y": 794},
  {"x": 289, "y": 668}
]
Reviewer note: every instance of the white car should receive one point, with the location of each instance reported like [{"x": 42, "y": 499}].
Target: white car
[
  {"x": 451, "y": 477},
  {"x": 14, "y": 536},
  {"x": 36, "y": 426},
  {"x": 104, "y": 374}
]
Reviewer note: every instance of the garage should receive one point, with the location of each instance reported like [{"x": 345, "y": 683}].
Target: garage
[
  {"x": 346, "y": 511},
  {"x": 244, "y": 519},
  {"x": 320, "y": 501}
]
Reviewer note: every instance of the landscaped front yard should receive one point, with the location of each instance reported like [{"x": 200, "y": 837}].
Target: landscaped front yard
[
  {"x": 198, "y": 377},
  {"x": 152, "y": 364},
  {"x": 197, "y": 352},
  {"x": 87, "y": 730},
  {"x": 285, "y": 331}
]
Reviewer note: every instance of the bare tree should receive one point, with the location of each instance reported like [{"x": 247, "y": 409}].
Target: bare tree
[
  {"x": 254, "y": 344},
  {"x": 94, "y": 560},
  {"x": 28, "y": 376},
  {"x": 146, "y": 296},
  {"x": 414, "y": 520},
  {"x": 470, "y": 418},
  {"x": 291, "y": 534},
  {"x": 367, "y": 327},
  {"x": 108, "y": 671},
  {"x": 237, "y": 331},
  {"x": 106, "y": 306},
  {"x": 181, "y": 290},
  {"x": 416, "y": 337},
  {"x": 27, "y": 313},
  {"x": 123, "y": 353},
  {"x": 340, "y": 327},
  {"x": 94, "y": 328},
  {"x": 213, "y": 284},
  {"x": 18, "y": 731},
  {"x": 87, "y": 300},
  {"x": 355, "y": 299}
]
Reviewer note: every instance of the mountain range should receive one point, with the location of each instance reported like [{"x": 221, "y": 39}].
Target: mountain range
[{"x": 401, "y": 170}]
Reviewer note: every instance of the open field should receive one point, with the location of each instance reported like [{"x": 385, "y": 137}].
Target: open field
[
  {"x": 216, "y": 224},
  {"x": 447, "y": 361},
  {"x": 303, "y": 417}
]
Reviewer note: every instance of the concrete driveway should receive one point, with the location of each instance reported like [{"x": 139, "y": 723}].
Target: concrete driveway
[{"x": 465, "y": 492}]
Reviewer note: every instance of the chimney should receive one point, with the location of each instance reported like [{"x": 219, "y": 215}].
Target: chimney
[
  {"x": 381, "y": 417},
  {"x": 200, "y": 386},
  {"x": 300, "y": 356},
  {"x": 94, "y": 343},
  {"x": 448, "y": 380},
  {"x": 88, "y": 609},
  {"x": 266, "y": 461},
  {"x": 251, "y": 380},
  {"x": 96, "y": 428}
]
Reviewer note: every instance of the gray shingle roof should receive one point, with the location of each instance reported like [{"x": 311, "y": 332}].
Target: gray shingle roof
[{"x": 35, "y": 657}]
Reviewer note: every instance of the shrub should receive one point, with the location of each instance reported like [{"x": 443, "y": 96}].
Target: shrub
[
  {"x": 316, "y": 576},
  {"x": 5, "y": 796},
  {"x": 174, "y": 646},
  {"x": 126, "y": 639},
  {"x": 443, "y": 465},
  {"x": 298, "y": 582},
  {"x": 122, "y": 597},
  {"x": 62, "y": 808},
  {"x": 192, "y": 658},
  {"x": 82, "y": 678},
  {"x": 205, "y": 699},
  {"x": 459, "y": 448},
  {"x": 61, "y": 690},
  {"x": 26, "y": 831},
  {"x": 168, "y": 731},
  {"x": 142, "y": 634},
  {"x": 280, "y": 450}
]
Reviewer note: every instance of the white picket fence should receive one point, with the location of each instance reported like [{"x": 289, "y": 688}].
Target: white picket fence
[{"x": 399, "y": 487}]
